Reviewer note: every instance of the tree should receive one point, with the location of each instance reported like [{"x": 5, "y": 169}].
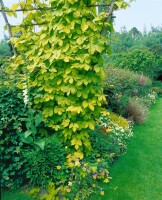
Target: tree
[
  {"x": 4, "y": 48},
  {"x": 135, "y": 33}
]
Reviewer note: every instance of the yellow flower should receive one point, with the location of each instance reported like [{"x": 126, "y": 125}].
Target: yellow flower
[
  {"x": 102, "y": 192},
  {"x": 84, "y": 169},
  {"x": 98, "y": 160},
  {"x": 69, "y": 160},
  {"x": 68, "y": 190},
  {"x": 58, "y": 167},
  {"x": 94, "y": 176},
  {"x": 77, "y": 163},
  {"x": 106, "y": 180},
  {"x": 71, "y": 165},
  {"x": 108, "y": 130}
]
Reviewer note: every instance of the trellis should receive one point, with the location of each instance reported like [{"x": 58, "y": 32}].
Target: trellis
[{"x": 8, "y": 25}]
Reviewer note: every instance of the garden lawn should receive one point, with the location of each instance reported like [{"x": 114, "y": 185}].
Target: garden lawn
[
  {"x": 13, "y": 195},
  {"x": 138, "y": 174}
]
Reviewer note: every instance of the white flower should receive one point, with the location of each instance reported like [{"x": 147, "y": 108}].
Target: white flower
[
  {"x": 77, "y": 163},
  {"x": 104, "y": 124},
  {"x": 25, "y": 94},
  {"x": 70, "y": 183}
]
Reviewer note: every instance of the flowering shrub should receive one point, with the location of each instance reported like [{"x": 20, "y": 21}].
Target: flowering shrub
[
  {"x": 74, "y": 176},
  {"x": 109, "y": 140},
  {"x": 66, "y": 175},
  {"x": 121, "y": 84},
  {"x": 151, "y": 98}
]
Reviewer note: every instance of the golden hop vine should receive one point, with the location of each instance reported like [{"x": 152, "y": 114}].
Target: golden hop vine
[{"x": 64, "y": 65}]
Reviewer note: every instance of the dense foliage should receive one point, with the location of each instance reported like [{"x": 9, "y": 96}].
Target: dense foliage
[
  {"x": 42, "y": 165},
  {"x": 134, "y": 39},
  {"x": 12, "y": 109},
  {"x": 63, "y": 64},
  {"x": 141, "y": 61},
  {"x": 64, "y": 60},
  {"x": 140, "y": 52}
]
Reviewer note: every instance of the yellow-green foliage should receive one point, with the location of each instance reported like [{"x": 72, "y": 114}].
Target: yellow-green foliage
[
  {"x": 51, "y": 193},
  {"x": 63, "y": 65},
  {"x": 34, "y": 192},
  {"x": 118, "y": 120}
]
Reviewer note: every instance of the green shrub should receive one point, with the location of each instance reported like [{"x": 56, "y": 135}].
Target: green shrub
[
  {"x": 42, "y": 164},
  {"x": 141, "y": 61},
  {"x": 19, "y": 129},
  {"x": 121, "y": 84},
  {"x": 12, "y": 109},
  {"x": 137, "y": 110},
  {"x": 157, "y": 87}
]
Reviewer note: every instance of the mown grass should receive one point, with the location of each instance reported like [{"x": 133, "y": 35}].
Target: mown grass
[
  {"x": 14, "y": 195},
  {"x": 138, "y": 174}
]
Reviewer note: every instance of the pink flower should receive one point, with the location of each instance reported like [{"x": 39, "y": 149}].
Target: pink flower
[{"x": 142, "y": 80}]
